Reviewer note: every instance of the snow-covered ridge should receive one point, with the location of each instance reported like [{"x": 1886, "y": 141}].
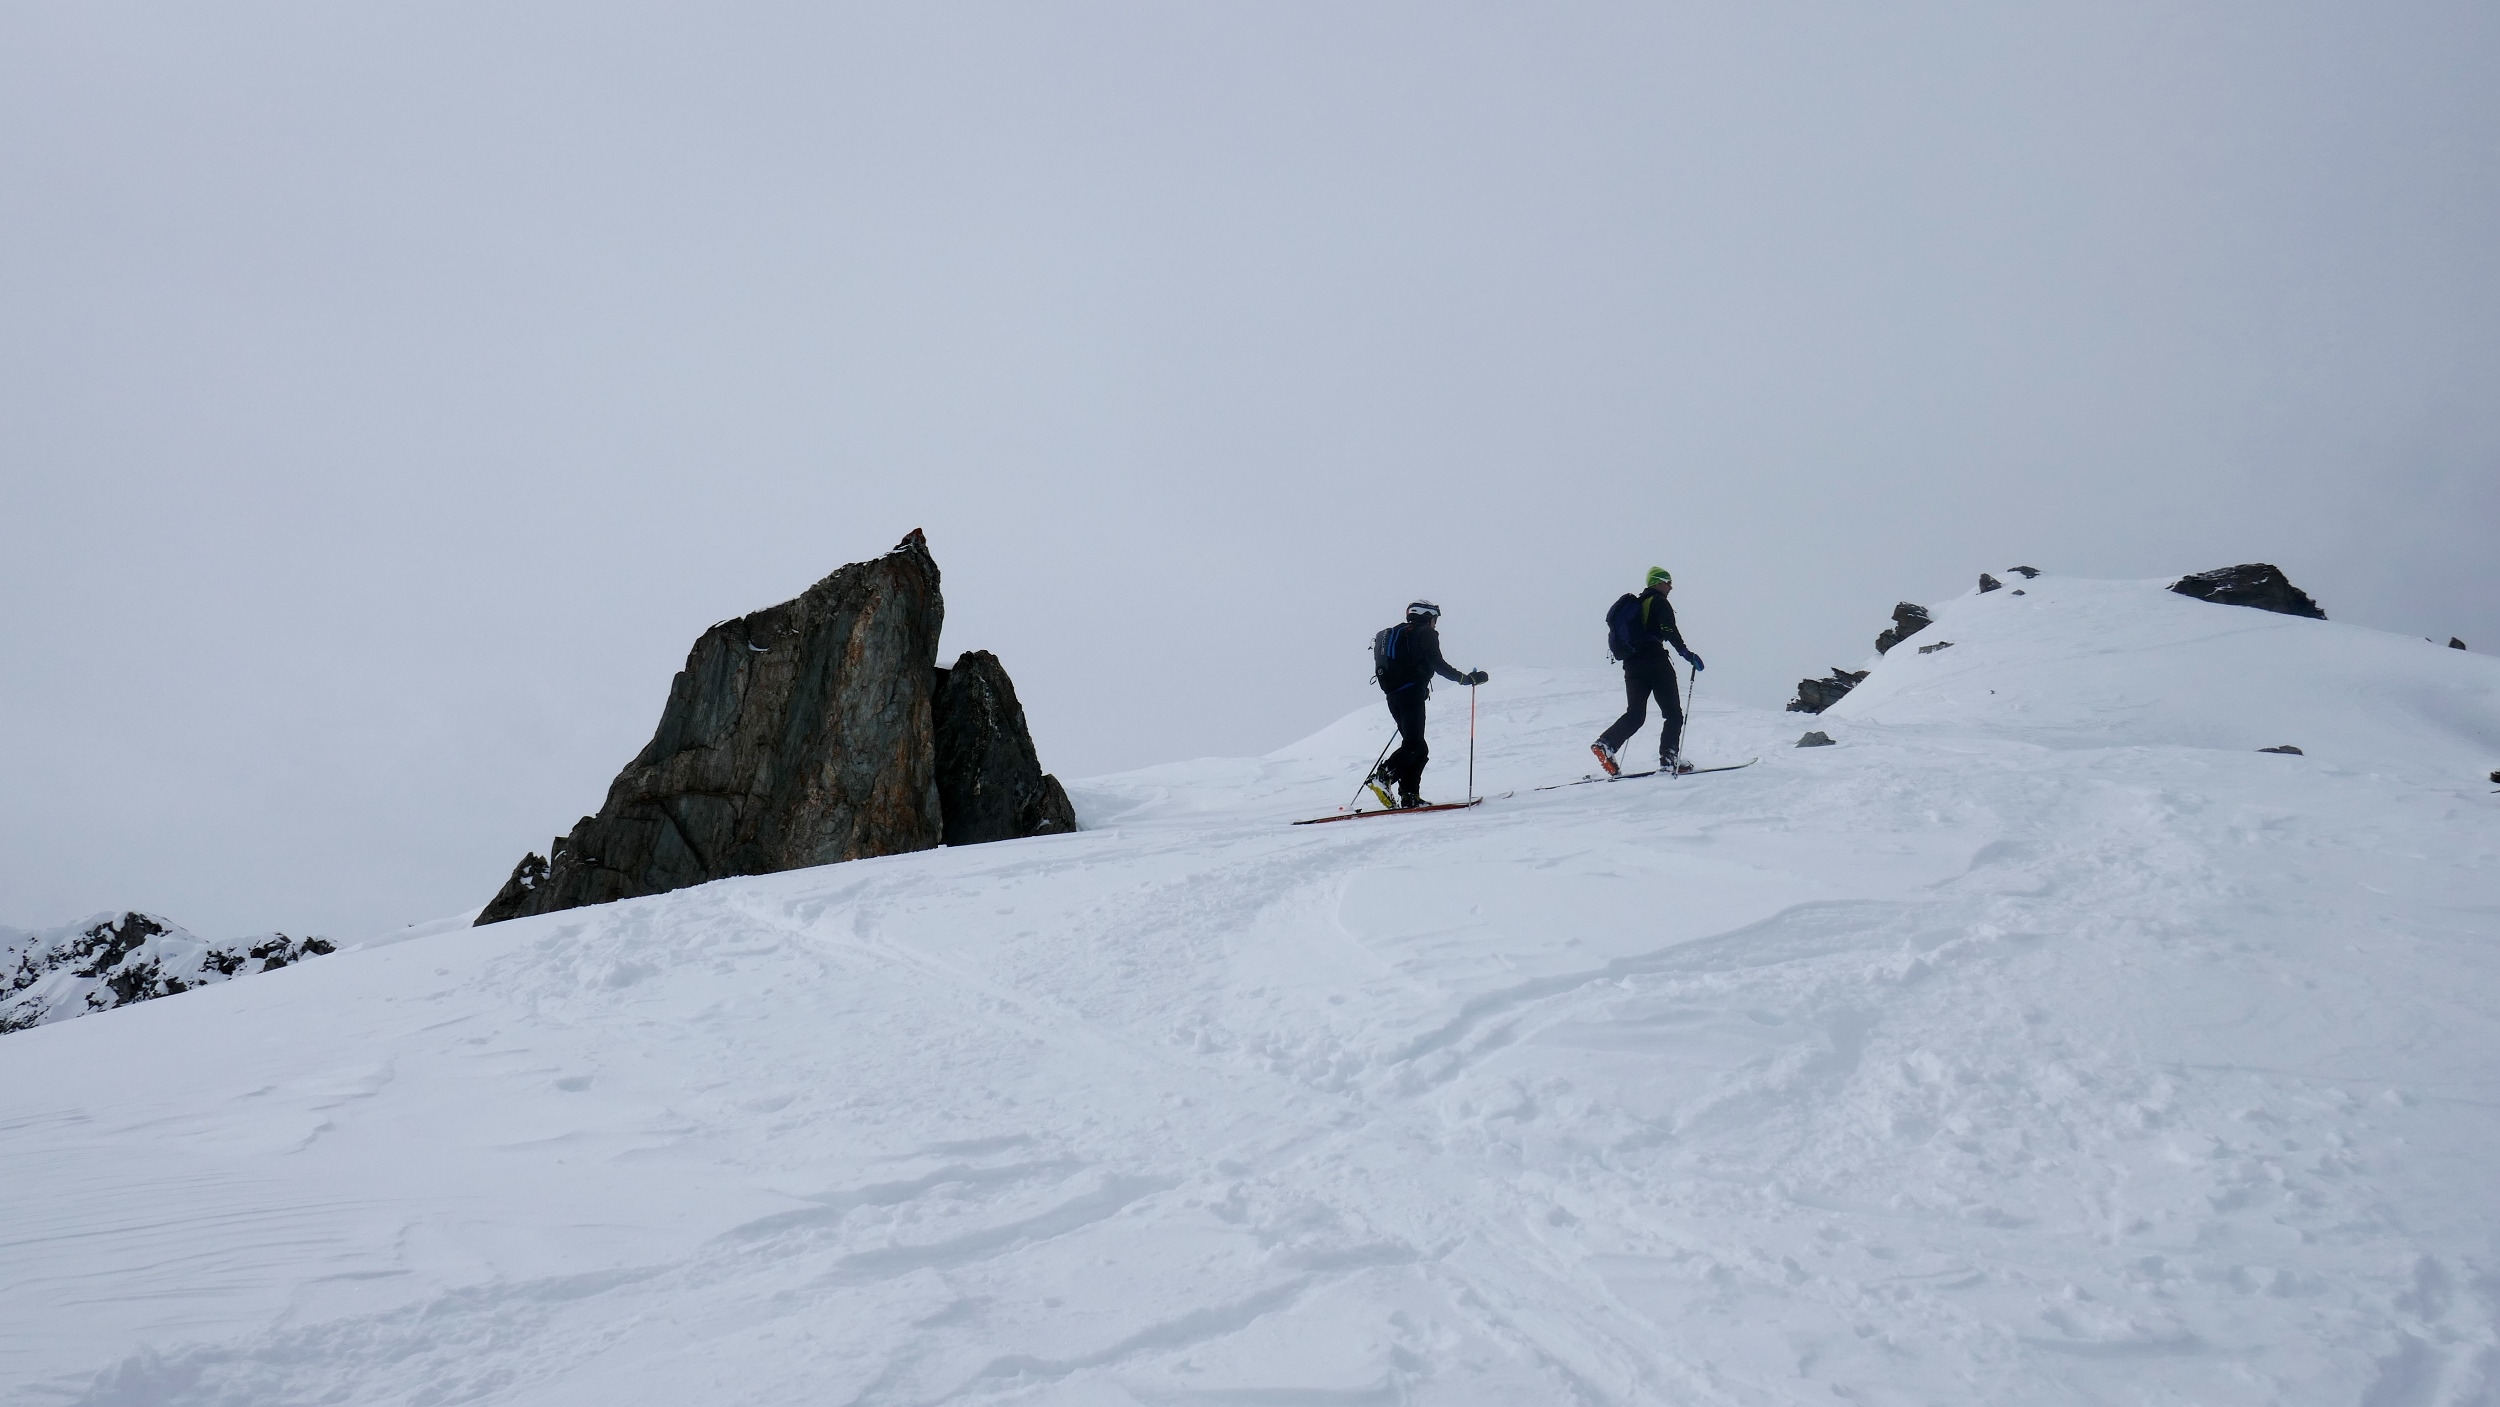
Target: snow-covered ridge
[
  {"x": 112, "y": 960},
  {"x": 2042, "y": 1041},
  {"x": 2079, "y": 663}
]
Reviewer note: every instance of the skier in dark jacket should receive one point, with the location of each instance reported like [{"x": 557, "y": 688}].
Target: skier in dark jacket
[
  {"x": 1640, "y": 628},
  {"x": 1408, "y": 656}
]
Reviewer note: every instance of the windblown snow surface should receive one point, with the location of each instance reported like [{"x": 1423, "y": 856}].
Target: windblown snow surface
[{"x": 2043, "y": 1042}]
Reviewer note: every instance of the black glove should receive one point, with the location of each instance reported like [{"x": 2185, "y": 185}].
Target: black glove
[
  {"x": 1478, "y": 677},
  {"x": 1694, "y": 660}
]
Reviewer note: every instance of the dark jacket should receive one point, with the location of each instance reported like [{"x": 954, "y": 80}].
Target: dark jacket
[
  {"x": 1412, "y": 657},
  {"x": 1650, "y": 626}
]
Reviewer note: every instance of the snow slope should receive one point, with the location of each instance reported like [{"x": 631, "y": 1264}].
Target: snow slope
[{"x": 2045, "y": 1045}]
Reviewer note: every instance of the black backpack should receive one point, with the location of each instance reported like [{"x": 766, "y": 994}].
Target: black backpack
[{"x": 1619, "y": 619}]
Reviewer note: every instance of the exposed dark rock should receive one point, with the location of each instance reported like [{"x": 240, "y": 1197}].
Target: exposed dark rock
[
  {"x": 280, "y": 952},
  {"x": 799, "y": 735},
  {"x": 1907, "y": 620},
  {"x": 2020, "y": 592},
  {"x": 1816, "y": 695},
  {"x": 2286, "y": 748},
  {"x": 2027, "y": 572},
  {"x": 1815, "y": 739},
  {"x": 990, "y": 782},
  {"x": 100, "y": 949},
  {"x": 515, "y": 896},
  {"x": 2257, "y": 584},
  {"x": 1939, "y": 645},
  {"x": 807, "y": 734},
  {"x": 2455, "y": 644},
  {"x": 1988, "y": 583},
  {"x": 113, "y": 960}
]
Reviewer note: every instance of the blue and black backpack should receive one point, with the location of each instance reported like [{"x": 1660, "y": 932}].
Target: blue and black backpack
[{"x": 1385, "y": 650}]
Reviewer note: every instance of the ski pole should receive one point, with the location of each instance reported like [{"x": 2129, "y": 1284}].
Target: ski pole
[
  {"x": 1374, "y": 771},
  {"x": 1689, "y": 687},
  {"x": 1471, "y": 742}
]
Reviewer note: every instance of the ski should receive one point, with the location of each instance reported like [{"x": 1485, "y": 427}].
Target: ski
[
  {"x": 1652, "y": 772},
  {"x": 1393, "y": 811}
]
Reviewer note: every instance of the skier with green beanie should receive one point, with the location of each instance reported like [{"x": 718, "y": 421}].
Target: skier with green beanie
[{"x": 1639, "y": 628}]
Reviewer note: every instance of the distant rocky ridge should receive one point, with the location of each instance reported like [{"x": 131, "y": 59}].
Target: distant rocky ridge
[
  {"x": 815, "y": 731},
  {"x": 110, "y": 960}
]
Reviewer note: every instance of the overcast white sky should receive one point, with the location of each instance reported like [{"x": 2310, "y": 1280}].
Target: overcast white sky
[{"x": 390, "y": 393}]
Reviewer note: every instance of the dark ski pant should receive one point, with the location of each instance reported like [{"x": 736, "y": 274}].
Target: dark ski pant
[
  {"x": 1644, "y": 676},
  {"x": 1406, "y": 765}
]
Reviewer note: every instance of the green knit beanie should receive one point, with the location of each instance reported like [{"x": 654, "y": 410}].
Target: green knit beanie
[{"x": 1660, "y": 576}]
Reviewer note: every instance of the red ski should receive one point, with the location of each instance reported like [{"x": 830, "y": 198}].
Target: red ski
[{"x": 1395, "y": 811}]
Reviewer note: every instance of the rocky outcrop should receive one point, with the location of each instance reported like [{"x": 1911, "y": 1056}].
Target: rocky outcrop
[
  {"x": 113, "y": 960},
  {"x": 806, "y": 734},
  {"x": 2455, "y": 644},
  {"x": 1816, "y": 695},
  {"x": 1817, "y": 738},
  {"x": 798, "y": 735},
  {"x": 990, "y": 781},
  {"x": 2257, "y": 584},
  {"x": 1907, "y": 620}
]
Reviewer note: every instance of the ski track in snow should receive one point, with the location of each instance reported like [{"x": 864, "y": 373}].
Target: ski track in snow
[{"x": 2045, "y": 1045}]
